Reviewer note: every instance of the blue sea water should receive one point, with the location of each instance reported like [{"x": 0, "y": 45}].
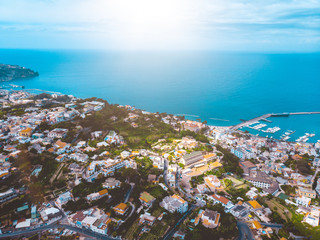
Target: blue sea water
[{"x": 219, "y": 87}]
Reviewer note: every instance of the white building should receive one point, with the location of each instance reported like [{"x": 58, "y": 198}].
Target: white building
[
  {"x": 63, "y": 199},
  {"x": 226, "y": 203},
  {"x": 304, "y": 201},
  {"x": 312, "y": 218},
  {"x": 174, "y": 203},
  {"x": 58, "y": 133}
]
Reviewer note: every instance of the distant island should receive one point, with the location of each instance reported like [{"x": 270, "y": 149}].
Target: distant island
[{"x": 13, "y": 72}]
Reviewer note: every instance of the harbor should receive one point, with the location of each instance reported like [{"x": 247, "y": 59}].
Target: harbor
[
  {"x": 266, "y": 116},
  {"x": 291, "y": 127}
]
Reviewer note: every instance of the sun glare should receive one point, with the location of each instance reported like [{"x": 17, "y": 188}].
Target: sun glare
[{"x": 148, "y": 22}]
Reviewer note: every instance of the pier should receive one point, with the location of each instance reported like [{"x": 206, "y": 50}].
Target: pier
[
  {"x": 265, "y": 116},
  {"x": 243, "y": 124}
]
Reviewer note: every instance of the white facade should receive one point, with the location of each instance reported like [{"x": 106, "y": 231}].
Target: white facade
[{"x": 174, "y": 204}]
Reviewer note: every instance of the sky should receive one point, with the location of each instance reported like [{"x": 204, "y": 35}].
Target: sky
[{"x": 232, "y": 25}]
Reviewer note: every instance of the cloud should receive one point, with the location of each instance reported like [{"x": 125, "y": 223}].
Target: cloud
[{"x": 165, "y": 24}]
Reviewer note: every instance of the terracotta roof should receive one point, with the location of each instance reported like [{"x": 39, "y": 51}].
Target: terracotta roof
[
  {"x": 103, "y": 192},
  {"x": 256, "y": 224},
  {"x": 27, "y": 130},
  {"x": 178, "y": 198},
  {"x": 50, "y": 150},
  {"x": 4, "y": 174},
  {"x": 61, "y": 144},
  {"x": 121, "y": 206},
  {"x": 221, "y": 199},
  {"x": 254, "y": 204},
  {"x": 247, "y": 164},
  {"x": 79, "y": 216}
]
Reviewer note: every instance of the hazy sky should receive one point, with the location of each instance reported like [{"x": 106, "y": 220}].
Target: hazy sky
[{"x": 257, "y": 25}]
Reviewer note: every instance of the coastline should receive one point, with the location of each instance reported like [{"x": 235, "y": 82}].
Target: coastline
[
  {"x": 232, "y": 127},
  {"x": 216, "y": 87},
  {"x": 244, "y": 124}
]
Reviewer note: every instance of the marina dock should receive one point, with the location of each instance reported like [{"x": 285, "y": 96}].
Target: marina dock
[{"x": 265, "y": 116}]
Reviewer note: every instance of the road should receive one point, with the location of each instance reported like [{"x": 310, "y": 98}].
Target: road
[
  {"x": 272, "y": 225},
  {"x": 174, "y": 229},
  {"x": 244, "y": 231},
  {"x": 165, "y": 173},
  {"x": 86, "y": 232},
  {"x": 315, "y": 174},
  {"x": 132, "y": 211},
  {"x": 126, "y": 199},
  {"x": 54, "y": 176},
  {"x": 187, "y": 195},
  {"x": 295, "y": 237}
]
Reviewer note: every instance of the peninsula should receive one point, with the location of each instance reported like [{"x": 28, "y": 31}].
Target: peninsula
[{"x": 12, "y": 72}]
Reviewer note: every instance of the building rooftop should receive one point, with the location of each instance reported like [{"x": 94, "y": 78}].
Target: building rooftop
[
  {"x": 121, "y": 206},
  {"x": 254, "y": 204},
  {"x": 103, "y": 192},
  {"x": 146, "y": 197}
]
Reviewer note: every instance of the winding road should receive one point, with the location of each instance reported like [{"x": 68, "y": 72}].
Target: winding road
[
  {"x": 170, "y": 233},
  {"x": 30, "y": 231},
  {"x": 244, "y": 231}
]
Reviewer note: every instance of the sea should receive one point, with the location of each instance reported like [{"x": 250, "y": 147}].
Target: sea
[{"x": 219, "y": 87}]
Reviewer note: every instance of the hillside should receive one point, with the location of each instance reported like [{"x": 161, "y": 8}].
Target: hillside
[{"x": 12, "y": 72}]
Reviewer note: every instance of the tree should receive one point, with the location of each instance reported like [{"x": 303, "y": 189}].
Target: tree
[
  {"x": 227, "y": 182},
  {"x": 289, "y": 190},
  {"x": 231, "y": 161},
  {"x": 129, "y": 173},
  {"x": 314, "y": 184}
]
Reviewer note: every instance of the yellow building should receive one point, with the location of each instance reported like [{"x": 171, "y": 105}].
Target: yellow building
[
  {"x": 121, "y": 208},
  {"x": 254, "y": 204},
  {"x": 25, "y": 132},
  {"x": 307, "y": 193}
]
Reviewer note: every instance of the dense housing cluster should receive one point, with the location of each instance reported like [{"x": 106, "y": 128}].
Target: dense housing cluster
[{"x": 119, "y": 171}]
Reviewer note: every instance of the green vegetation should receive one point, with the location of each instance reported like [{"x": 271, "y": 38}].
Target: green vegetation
[
  {"x": 130, "y": 228},
  {"x": 85, "y": 188},
  {"x": 38, "y": 185},
  {"x": 230, "y": 161},
  {"x": 156, "y": 232},
  {"x": 235, "y": 193},
  {"x": 288, "y": 189},
  {"x": 150, "y": 127},
  {"x": 196, "y": 136},
  {"x": 303, "y": 165},
  {"x": 148, "y": 131},
  {"x": 300, "y": 228},
  {"x": 12, "y": 72},
  {"x": 73, "y": 206},
  {"x": 314, "y": 184},
  {"x": 227, "y": 183},
  {"x": 17, "y": 110},
  {"x": 226, "y": 229},
  {"x": 196, "y": 180},
  {"x": 156, "y": 191},
  {"x": 280, "y": 213}
]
